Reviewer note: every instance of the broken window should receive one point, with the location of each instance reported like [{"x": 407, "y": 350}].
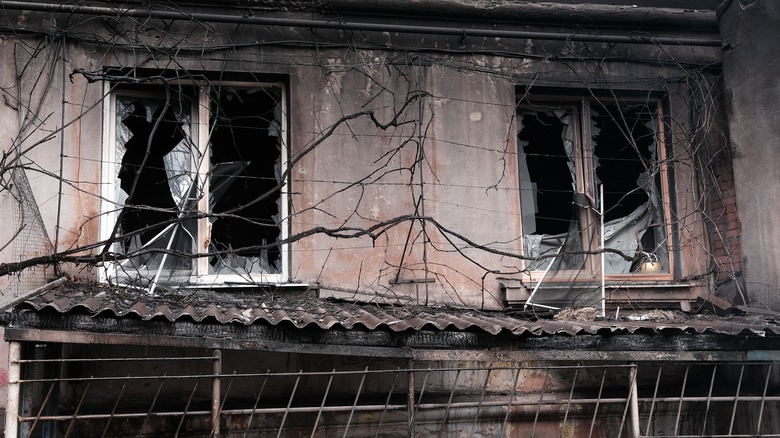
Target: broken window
[
  {"x": 571, "y": 152},
  {"x": 197, "y": 183},
  {"x": 245, "y": 148}
]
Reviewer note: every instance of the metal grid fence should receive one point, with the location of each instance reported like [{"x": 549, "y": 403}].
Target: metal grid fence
[{"x": 209, "y": 396}]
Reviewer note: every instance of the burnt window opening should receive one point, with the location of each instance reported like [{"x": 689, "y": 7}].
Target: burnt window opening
[
  {"x": 551, "y": 220},
  {"x": 623, "y": 147},
  {"x": 142, "y": 175},
  {"x": 548, "y": 164},
  {"x": 154, "y": 177},
  {"x": 245, "y": 152},
  {"x": 625, "y": 150},
  {"x": 195, "y": 171},
  {"x": 566, "y": 153}
]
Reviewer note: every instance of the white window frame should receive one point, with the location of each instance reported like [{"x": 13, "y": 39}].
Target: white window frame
[{"x": 200, "y": 133}]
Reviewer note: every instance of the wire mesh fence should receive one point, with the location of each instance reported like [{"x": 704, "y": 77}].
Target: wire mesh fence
[
  {"x": 208, "y": 394},
  {"x": 30, "y": 238}
]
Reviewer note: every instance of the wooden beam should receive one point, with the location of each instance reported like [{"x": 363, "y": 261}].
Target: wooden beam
[{"x": 80, "y": 337}]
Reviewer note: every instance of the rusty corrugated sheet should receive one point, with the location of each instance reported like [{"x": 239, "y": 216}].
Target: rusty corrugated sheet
[{"x": 228, "y": 307}]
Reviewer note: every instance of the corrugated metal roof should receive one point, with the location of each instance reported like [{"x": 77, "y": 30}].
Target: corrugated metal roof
[{"x": 229, "y": 307}]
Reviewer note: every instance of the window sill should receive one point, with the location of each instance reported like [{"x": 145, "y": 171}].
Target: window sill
[
  {"x": 566, "y": 294},
  {"x": 240, "y": 284},
  {"x": 207, "y": 282}
]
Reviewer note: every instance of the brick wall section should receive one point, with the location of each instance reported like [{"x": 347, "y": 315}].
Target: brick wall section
[{"x": 725, "y": 226}]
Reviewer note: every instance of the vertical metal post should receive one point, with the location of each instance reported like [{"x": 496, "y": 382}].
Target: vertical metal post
[
  {"x": 289, "y": 403},
  {"x": 655, "y": 395},
  {"x": 410, "y": 400},
  {"x": 257, "y": 401},
  {"x": 682, "y": 399},
  {"x": 421, "y": 164},
  {"x": 634, "y": 403},
  {"x": 571, "y": 396},
  {"x": 481, "y": 398},
  {"x": 449, "y": 403},
  {"x": 601, "y": 247},
  {"x": 322, "y": 404},
  {"x": 216, "y": 391},
  {"x": 354, "y": 404},
  {"x": 763, "y": 400},
  {"x": 14, "y": 375},
  {"x": 512, "y": 399},
  {"x": 183, "y": 414},
  {"x": 709, "y": 398},
  {"x": 736, "y": 399},
  {"x": 387, "y": 403},
  {"x": 598, "y": 402}
]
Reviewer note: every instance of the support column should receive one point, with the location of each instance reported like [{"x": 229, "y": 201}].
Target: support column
[
  {"x": 14, "y": 375},
  {"x": 216, "y": 393}
]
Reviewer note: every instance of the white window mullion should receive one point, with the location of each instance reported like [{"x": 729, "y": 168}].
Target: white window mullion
[
  {"x": 204, "y": 224},
  {"x": 108, "y": 177},
  {"x": 285, "y": 191}
]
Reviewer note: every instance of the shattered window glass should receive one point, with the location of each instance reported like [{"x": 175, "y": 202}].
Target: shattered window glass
[
  {"x": 625, "y": 151},
  {"x": 246, "y": 181},
  {"x": 154, "y": 177},
  {"x": 198, "y": 172},
  {"x": 551, "y": 221},
  {"x": 568, "y": 152}
]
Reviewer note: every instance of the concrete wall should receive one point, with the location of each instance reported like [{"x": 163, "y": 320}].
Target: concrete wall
[
  {"x": 451, "y": 143},
  {"x": 751, "y": 70},
  {"x": 463, "y": 124}
]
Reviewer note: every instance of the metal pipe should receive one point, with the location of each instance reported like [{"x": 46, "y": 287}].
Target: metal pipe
[
  {"x": 354, "y": 404},
  {"x": 322, "y": 405},
  {"x": 117, "y": 359},
  {"x": 709, "y": 397},
  {"x": 63, "y": 100},
  {"x": 511, "y": 400},
  {"x": 40, "y": 410},
  {"x": 183, "y": 415},
  {"x": 682, "y": 396},
  {"x": 151, "y": 406},
  {"x": 254, "y": 407},
  {"x": 571, "y": 396},
  {"x": 634, "y": 402},
  {"x": 12, "y": 405},
  {"x": 538, "y": 405},
  {"x": 596, "y": 409},
  {"x": 601, "y": 247},
  {"x": 410, "y": 406},
  {"x": 763, "y": 400},
  {"x": 652, "y": 403},
  {"x": 387, "y": 403},
  {"x": 527, "y": 407},
  {"x": 216, "y": 391},
  {"x": 75, "y": 415},
  {"x": 481, "y": 397},
  {"x": 736, "y": 399},
  {"x": 449, "y": 403},
  {"x": 279, "y": 375},
  {"x": 592, "y": 14},
  {"x": 528, "y": 302},
  {"x": 289, "y": 404},
  {"x": 291, "y": 410},
  {"x": 462, "y": 32}
]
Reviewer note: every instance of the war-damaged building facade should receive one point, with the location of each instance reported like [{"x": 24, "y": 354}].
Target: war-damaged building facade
[{"x": 434, "y": 218}]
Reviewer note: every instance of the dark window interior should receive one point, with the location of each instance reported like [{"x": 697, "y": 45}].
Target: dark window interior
[
  {"x": 245, "y": 160},
  {"x": 549, "y": 171},
  {"x": 142, "y": 176},
  {"x": 623, "y": 147}
]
